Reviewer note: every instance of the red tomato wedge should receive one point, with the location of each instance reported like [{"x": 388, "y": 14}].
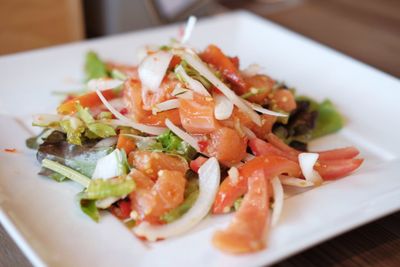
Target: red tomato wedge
[
  {"x": 278, "y": 143},
  {"x": 214, "y": 56},
  {"x": 89, "y": 100},
  {"x": 334, "y": 154},
  {"x": 333, "y": 169},
  {"x": 232, "y": 188},
  {"x": 248, "y": 229},
  {"x": 151, "y": 163},
  {"x": 332, "y": 164},
  {"x": 121, "y": 209},
  {"x": 197, "y": 115},
  {"x": 133, "y": 99},
  {"x": 227, "y": 146},
  {"x": 339, "y": 153},
  {"x": 262, "y": 148}
]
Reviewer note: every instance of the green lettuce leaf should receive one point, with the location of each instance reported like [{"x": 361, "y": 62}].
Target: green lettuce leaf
[
  {"x": 88, "y": 206},
  {"x": 168, "y": 142},
  {"x": 74, "y": 128},
  {"x": 95, "y": 129},
  {"x": 100, "y": 189},
  {"x": 94, "y": 67},
  {"x": 80, "y": 158},
  {"x": 328, "y": 121}
]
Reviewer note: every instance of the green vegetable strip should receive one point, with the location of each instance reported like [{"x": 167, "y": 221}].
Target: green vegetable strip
[
  {"x": 67, "y": 172},
  {"x": 94, "y": 66},
  {"x": 88, "y": 206},
  {"x": 100, "y": 189}
]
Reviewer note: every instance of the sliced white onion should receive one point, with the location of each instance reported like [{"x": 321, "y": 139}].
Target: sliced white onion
[
  {"x": 294, "y": 181},
  {"x": 166, "y": 105},
  {"x": 233, "y": 173},
  {"x": 182, "y": 134},
  {"x": 251, "y": 70},
  {"x": 189, "y": 29},
  {"x": 103, "y": 84},
  {"x": 278, "y": 200},
  {"x": 107, "y": 142},
  {"x": 223, "y": 107},
  {"x": 198, "y": 65},
  {"x": 109, "y": 166},
  {"x": 209, "y": 178},
  {"x": 153, "y": 68},
  {"x": 46, "y": 119},
  {"x": 262, "y": 110},
  {"x": 127, "y": 122},
  {"x": 118, "y": 103},
  {"x": 193, "y": 84},
  {"x": 307, "y": 162}
]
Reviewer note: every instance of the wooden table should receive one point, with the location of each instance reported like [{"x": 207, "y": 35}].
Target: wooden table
[{"x": 366, "y": 30}]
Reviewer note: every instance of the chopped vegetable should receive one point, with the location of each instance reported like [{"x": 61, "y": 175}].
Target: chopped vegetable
[
  {"x": 101, "y": 189},
  {"x": 67, "y": 172},
  {"x": 156, "y": 138},
  {"x": 113, "y": 165},
  {"x": 94, "y": 67},
  {"x": 307, "y": 162}
]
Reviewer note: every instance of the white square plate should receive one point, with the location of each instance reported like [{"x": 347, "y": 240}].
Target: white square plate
[{"x": 51, "y": 230}]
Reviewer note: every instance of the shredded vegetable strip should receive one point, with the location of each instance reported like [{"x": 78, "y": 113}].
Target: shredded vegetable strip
[
  {"x": 67, "y": 172},
  {"x": 278, "y": 200},
  {"x": 264, "y": 110},
  {"x": 138, "y": 126},
  {"x": 183, "y": 135}
]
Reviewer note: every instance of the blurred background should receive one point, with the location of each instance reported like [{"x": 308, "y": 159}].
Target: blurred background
[{"x": 368, "y": 30}]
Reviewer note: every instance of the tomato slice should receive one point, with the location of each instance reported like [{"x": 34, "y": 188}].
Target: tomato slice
[
  {"x": 214, "y": 56},
  {"x": 197, "y": 115},
  {"x": 89, "y": 100},
  {"x": 232, "y": 188},
  {"x": 121, "y": 209},
  {"x": 332, "y": 164},
  {"x": 334, "y": 169},
  {"x": 262, "y": 148},
  {"x": 278, "y": 143},
  {"x": 340, "y": 153},
  {"x": 248, "y": 229}
]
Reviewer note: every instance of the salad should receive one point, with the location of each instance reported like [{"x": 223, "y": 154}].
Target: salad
[{"x": 185, "y": 134}]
